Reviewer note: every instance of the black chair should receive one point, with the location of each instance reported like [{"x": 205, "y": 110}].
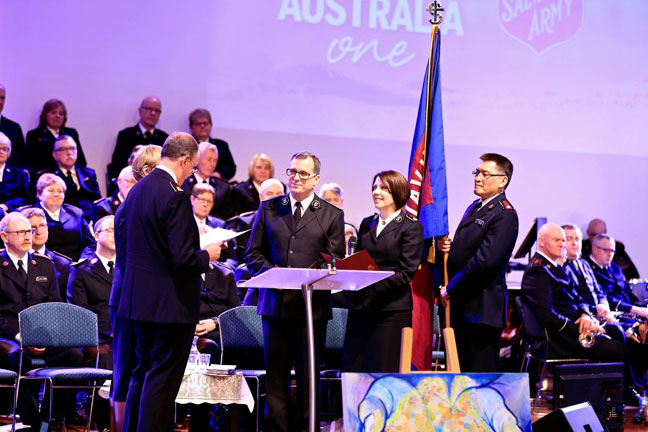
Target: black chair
[
  {"x": 536, "y": 345},
  {"x": 61, "y": 325},
  {"x": 9, "y": 379},
  {"x": 332, "y": 357}
]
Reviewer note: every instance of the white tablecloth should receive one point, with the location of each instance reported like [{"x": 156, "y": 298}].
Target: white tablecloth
[{"x": 197, "y": 388}]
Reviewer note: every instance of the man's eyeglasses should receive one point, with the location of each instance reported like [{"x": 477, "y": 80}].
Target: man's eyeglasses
[
  {"x": 5, "y": 149},
  {"x": 485, "y": 175},
  {"x": 108, "y": 230},
  {"x": 152, "y": 110},
  {"x": 606, "y": 250},
  {"x": 205, "y": 201},
  {"x": 303, "y": 175},
  {"x": 66, "y": 149},
  {"x": 20, "y": 233}
]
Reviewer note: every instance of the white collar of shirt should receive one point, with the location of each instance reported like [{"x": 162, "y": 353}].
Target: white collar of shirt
[
  {"x": 200, "y": 221},
  {"x": 55, "y": 133},
  {"x": 596, "y": 262},
  {"x": 199, "y": 178},
  {"x": 257, "y": 186},
  {"x": 549, "y": 259},
  {"x": 121, "y": 198},
  {"x": 56, "y": 215},
  {"x": 73, "y": 172},
  {"x": 40, "y": 251},
  {"x": 2, "y": 170},
  {"x": 14, "y": 259},
  {"x": 105, "y": 261},
  {"x": 383, "y": 223},
  {"x": 165, "y": 169},
  {"x": 305, "y": 203},
  {"x": 144, "y": 130},
  {"x": 483, "y": 203}
]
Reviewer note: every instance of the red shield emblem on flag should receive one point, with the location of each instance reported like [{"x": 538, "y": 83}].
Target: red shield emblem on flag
[{"x": 540, "y": 25}]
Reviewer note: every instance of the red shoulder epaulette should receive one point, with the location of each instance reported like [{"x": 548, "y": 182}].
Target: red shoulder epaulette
[{"x": 506, "y": 205}]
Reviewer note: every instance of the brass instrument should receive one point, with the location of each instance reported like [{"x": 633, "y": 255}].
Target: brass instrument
[{"x": 587, "y": 338}]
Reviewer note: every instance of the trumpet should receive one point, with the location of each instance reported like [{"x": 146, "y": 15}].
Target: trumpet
[{"x": 587, "y": 339}]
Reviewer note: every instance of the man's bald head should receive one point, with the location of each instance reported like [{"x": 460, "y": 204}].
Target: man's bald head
[
  {"x": 596, "y": 227},
  {"x": 551, "y": 240},
  {"x": 150, "y": 110}
]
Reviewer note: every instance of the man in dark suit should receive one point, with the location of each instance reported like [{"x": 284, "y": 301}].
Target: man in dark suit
[
  {"x": 90, "y": 282},
  {"x": 200, "y": 122},
  {"x": 143, "y": 132},
  {"x": 81, "y": 182},
  {"x": 161, "y": 283},
  {"x": 14, "y": 182},
  {"x": 621, "y": 257},
  {"x": 14, "y": 132},
  {"x": 108, "y": 206},
  {"x": 478, "y": 257},
  {"x": 40, "y": 234},
  {"x": 291, "y": 231},
  {"x": 26, "y": 280},
  {"x": 610, "y": 276}
]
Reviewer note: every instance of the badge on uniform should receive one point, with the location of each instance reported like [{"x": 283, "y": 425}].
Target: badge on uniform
[
  {"x": 116, "y": 203},
  {"x": 284, "y": 201},
  {"x": 33, "y": 262},
  {"x": 41, "y": 278},
  {"x": 5, "y": 263},
  {"x": 94, "y": 261},
  {"x": 479, "y": 222},
  {"x": 316, "y": 204},
  {"x": 398, "y": 219}
]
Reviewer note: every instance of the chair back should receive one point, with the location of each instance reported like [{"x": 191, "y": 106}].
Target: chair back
[
  {"x": 241, "y": 330},
  {"x": 436, "y": 324},
  {"x": 531, "y": 324},
  {"x": 336, "y": 330},
  {"x": 58, "y": 325}
]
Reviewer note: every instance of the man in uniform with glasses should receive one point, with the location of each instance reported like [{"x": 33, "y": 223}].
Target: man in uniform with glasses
[
  {"x": 293, "y": 230},
  {"x": 478, "y": 257}
]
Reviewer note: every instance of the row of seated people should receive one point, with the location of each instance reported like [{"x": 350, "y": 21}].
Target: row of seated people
[{"x": 570, "y": 295}]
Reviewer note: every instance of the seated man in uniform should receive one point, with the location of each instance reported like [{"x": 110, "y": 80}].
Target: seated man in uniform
[
  {"x": 14, "y": 181},
  {"x": 611, "y": 278},
  {"x": 108, "y": 206},
  {"x": 621, "y": 257}
]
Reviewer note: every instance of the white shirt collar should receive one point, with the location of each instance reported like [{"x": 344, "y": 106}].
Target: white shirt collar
[
  {"x": 483, "y": 203},
  {"x": 549, "y": 259},
  {"x": 14, "y": 259},
  {"x": 105, "y": 261},
  {"x": 2, "y": 170},
  {"x": 40, "y": 251},
  {"x": 199, "y": 178},
  {"x": 305, "y": 203},
  {"x": 56, "y": 215},
  {"x": 173, "y": 176},
  {"x": 382, "y": 225},
  {"x": 596, "y": 262},
  {"x": 56, "y": 134},
  {"x": 143, "y": 129}
]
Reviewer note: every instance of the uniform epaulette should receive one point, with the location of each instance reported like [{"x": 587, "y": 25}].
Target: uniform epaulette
[
  {"x": 98, "y": 201},
  {"x": 221, "y": 265},
  {"x": 506, "y": 205},
  {"x": 62, "y": 256},
  {"x": 175, "y": 186},
  {"x": 536, "y": 262},
  {"x": 41, "y": 256},
  {"x": 79, "y": 262},
  {"x": 410, "y": 217}
]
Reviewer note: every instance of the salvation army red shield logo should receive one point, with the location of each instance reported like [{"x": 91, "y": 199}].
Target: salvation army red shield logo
[{"x": 541, "y": 24}]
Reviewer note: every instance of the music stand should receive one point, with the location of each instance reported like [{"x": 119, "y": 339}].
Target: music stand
[{"x": 308, "y": 280}]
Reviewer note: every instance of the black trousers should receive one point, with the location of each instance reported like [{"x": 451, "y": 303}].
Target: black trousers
[
  {"x": 478, "y": 347},
  {"x": 123, "y": 355},
  {"x": 162, "y": 351},
  {"x": 373, "y": 339},
  {"x": 285, "y": 347}
]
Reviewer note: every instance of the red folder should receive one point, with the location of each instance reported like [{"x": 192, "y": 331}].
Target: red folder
[{"x": 358, "y": 261}]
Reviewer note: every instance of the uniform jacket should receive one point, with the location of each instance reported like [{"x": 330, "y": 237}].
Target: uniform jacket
[
  {"x": 89, "y": 286},
  {"x": 14, "y": 187},
  {"x": 621, "y": 258},
  {"x": 39, "y": 146},
  {"x": 127, "y": 139},
  {"x": 225, "y": 166},
  {"x": 161, "y": 279},
  {"x": 62, "y": 268},
  {"x": 105, "y": 207},
  {"x": 614, "y": 285},
  {"x": 120, "y": 259},
  {"x": 70, "y": 235},
  {"x": 398, "y": 248},
  {"x": 585, "y": 282},
  {"x": 87, "y": 193},
  {"x": 15, "y": 296},
  {"x": 15, "y": 134},
  {"x": 218, "y": 291},
  {"x": 275, "y": 242},
  {"x": 222, "y": 208},
  {"x": 477, "y": 262},
  {"x": 245, "y": 197}
]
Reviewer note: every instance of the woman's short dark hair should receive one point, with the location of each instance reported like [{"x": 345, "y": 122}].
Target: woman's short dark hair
[
  {"x": 396, "y": 184},
  {"x": 51, "y": 105}
]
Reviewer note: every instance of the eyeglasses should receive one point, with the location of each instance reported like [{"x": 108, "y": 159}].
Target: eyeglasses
[
  {"x": 303, "y": 175},
  {"x": 152, "y": 110},
  {"x": 201, "y": 124},
  {"x": 606, "y": 250},
  {"x": 485, "y": 175},
  {"x": 37, "y": 227},
  {"x": 66, "y": 149},
  {"x": 108, "y": 230},
  {"x": 205, "y": 201},
  {"x": 20, "y": 233},
  {"x": 5, "y": 149}
]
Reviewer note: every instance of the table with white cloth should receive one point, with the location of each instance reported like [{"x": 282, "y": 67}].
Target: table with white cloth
[{"x": 198, "y": 388}]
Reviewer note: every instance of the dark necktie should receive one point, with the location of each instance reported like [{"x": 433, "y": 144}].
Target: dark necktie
[
  {"x": 475, "y": 209},
  {"x": 21, "y": 271},
  {"x": 147, "y": 137},
  {"x": 111, "y": 266},
  {"x": 70, "y": 181},
  {"x": 298, "y": 214}
]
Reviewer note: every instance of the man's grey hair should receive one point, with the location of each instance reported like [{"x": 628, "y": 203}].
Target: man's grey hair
[
  {"x": 179, "y": 144},
  {"x": 4, "y": 139},
  {"x": 306, "y": 155},
  {"x": 599, "y": 239},
  {"x": 332, "y": 187},
  {"x": 33, "y": 211},
  {"x": 206, "y": 146},
  {"x": 9, "y": 219}
]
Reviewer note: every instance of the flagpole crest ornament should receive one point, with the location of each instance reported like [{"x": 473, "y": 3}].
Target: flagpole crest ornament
[{"x": 434, "y": 9}]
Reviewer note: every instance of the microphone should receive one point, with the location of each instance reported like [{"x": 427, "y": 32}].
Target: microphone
[
  {"x": 331, "y": 251},
  {"x": 353, "y": 243}
]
